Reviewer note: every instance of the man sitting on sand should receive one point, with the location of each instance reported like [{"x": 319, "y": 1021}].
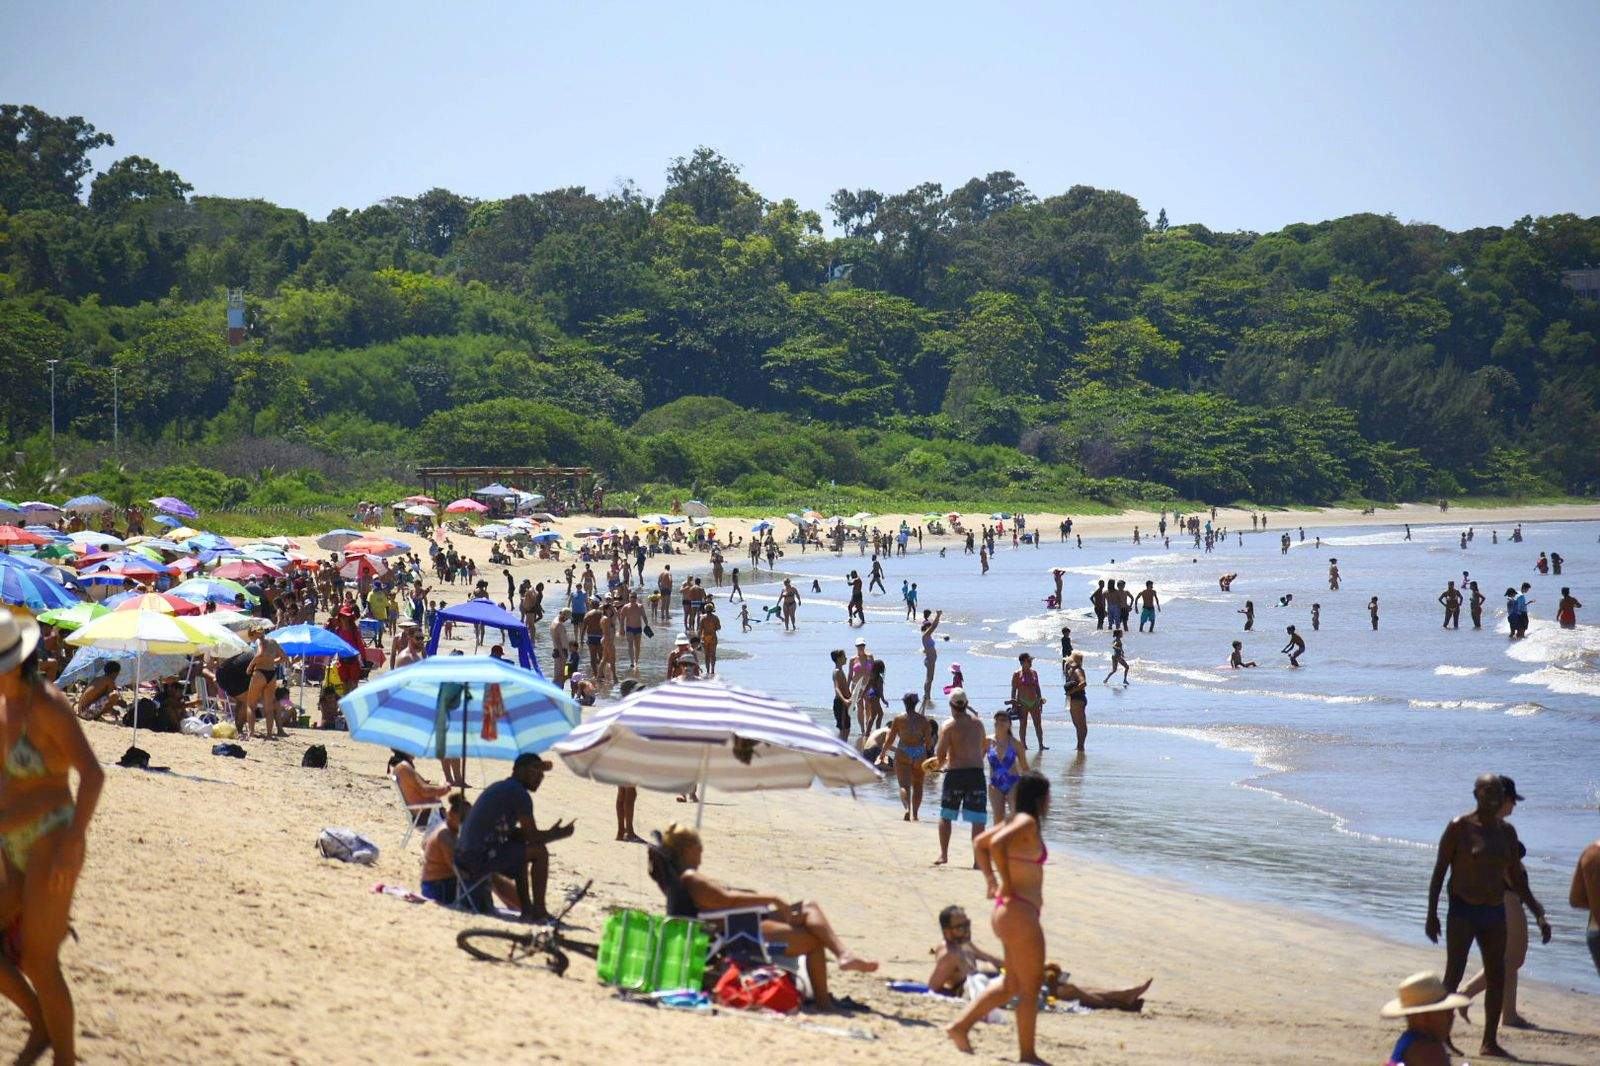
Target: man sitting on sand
[
  {"x": 499, "y": 836},
  {"x": 957, "y": 957},
  {"x": 101, "y": 697}
]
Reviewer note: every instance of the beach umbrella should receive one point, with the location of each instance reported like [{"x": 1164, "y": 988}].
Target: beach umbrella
[
  {"x": 161, "y": 603},
  {"x": 761, "y": 526},
  {"x": 128, "y": 564},
  {"x": 88, "y": 504},
  {"x": 205, "y": 542},
  {"x": 21, "y": 587},
  {"x": 161, "y": 544},
  {"x": 359, "y": 566},
  {"x": 213, "y": 590},
  {"x": 245, "y": 569},
  {"x": 95, "y": 540},
  {"x": 493, "y": 531},
  {"x": 426, "y": 501},
  {"x": 421, "y": 510},
  {"x": 143, "y": 632},
  {"x": 182, "y": 533},
  {"x": 7, "y": 507},
  {"x": 436, "y": 708},
  {"x": 697, "y": 734},
  {"x": 336, "y": 539},
  {"x": 696, "y": 509},
  {"x": 546, "y": 537},
  {"x": 54, "y": 551},
  {"x": 543, "y": 516},
  {"x": 312, "y": 641},
  {"x": 18, "y": 536},
  {"x": 173, "y": 505},
  {"x": 186, "y": 565},
  {"x": 67, "y": 619},
  {"x": 37, "y": 509},
  {"x": 374, "y": 546},
  {"x": 466, "y": 506},
  {"x": 281, "y": 542},
  {"x": 167, "y": 520}
]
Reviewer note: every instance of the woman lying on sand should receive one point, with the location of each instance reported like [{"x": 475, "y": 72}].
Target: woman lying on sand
[
  {"x": 801, "y": 927},
  {"x": 42, "y": 830}
]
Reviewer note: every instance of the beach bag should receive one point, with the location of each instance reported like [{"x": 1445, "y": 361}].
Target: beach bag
[
  {"x": 346, "y": 845},
  {"x": 195, "y": 727},
  {"x": 316, "y": 757},
  {"x": 494, "y": 709},
  {"x": 763, "y": 988}
]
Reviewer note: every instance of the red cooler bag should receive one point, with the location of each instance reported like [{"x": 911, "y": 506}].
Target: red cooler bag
[{"x": 764, "y": 988}]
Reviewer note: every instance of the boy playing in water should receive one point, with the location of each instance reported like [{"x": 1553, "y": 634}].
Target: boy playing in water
[
  {"x": 1295, "y": 648},
  {"x": 1117, "y": 658},
  {"x": 1236, "y": 660}
]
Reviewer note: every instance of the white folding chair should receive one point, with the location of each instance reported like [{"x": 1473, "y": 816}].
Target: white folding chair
[{"x": 412, "y": 810}]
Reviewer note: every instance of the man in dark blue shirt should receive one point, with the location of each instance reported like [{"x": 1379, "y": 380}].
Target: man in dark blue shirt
[{"x": 499, "y": 836}]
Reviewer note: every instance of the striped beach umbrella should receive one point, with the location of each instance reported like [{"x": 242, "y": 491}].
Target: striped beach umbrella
[
  {"x": 681, "y": 734},
  {"x": 22, "y": 587},
  {"x": 436, "y": 708},
  {"x": 18, "y": 536}
]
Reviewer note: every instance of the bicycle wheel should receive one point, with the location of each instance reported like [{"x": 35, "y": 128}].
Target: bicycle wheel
[{"x": 494, "y": 945}]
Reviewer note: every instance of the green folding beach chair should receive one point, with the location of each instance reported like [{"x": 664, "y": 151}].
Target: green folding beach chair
[{"x": 642, "y": 952}]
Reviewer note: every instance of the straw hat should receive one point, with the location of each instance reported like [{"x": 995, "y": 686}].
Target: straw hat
[
  {"x": 18, "y": 637},
  {"x": 1423, "y": 993}
]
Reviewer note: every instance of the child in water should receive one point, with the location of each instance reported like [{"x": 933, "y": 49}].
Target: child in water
[
  {"x": 956, "y": 680},
  {"x": 1295, "y": 648},
  {"x": 744, "y": 617},
  {"x": 1249, "y": 613},
  {"x": 1316, "y": 617},
  {"x": 1236, "y": 660},
  {"x": 1117, "y": 658}
]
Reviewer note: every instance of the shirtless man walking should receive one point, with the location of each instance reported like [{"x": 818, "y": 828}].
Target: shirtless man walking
[
  {"x": 1149, "y": 604},
  {"x": 959, "y": 753},
  {"x": 560, "y": 645},
  {"x": 632, "y": 617},
  {"x": 593, "y": 628},
  {"x": 1295, "y": 648}
]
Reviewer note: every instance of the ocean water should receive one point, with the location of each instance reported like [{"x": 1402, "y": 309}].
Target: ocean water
[{"x": 1322, "y": 788}]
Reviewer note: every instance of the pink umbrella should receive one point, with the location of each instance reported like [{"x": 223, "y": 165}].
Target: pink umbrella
[
  {"x": 373, "y": 546},
  {"x": 245, "y": 569},
  {"x": 466, "y": 506},
  {"x": 160, "y": 603}
]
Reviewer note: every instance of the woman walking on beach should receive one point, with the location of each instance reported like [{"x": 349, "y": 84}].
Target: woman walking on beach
[
  {"x": 1481, "y": 853},
  {"x": 1012, "y": 857},
  {"x": 42, "y": 832},
  {"x": 1007, "y": 764},
  {"x": 1516, "y": 931},
  {"x": 910, "y": 741}
]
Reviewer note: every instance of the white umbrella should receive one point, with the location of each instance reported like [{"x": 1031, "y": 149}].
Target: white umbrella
[
  {"x": 684, "y": 734},
  {"x": 696, "y": 509},
  {"x": 421, "y": 510}
]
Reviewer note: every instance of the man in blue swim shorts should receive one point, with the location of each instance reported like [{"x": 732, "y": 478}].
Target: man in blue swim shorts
[
  {"x": 959, "y": 753},
  {"x": 1149, "y": 604}
]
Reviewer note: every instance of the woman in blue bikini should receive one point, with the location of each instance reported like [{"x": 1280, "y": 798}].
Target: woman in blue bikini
[
  {"x": 1007, "y": 764},
  {"x": 42, "y": 828},
  {"x": 910, "y": 741},
  {"x": 1012, "y": 857}
]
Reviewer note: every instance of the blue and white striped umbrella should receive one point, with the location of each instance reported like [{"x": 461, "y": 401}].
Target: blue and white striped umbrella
[
  {"x": 685, "y": 733},
  {"x": 22, "y": 587},
  {"x": 417, "y": 709}
]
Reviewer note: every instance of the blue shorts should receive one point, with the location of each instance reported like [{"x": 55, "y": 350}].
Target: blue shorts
[
  {"x": 1147, "y": 615},
  {"x": 508, "y": 858},
  {"x": 442, "y": 891},
  {"x": 965, "y": 796}
]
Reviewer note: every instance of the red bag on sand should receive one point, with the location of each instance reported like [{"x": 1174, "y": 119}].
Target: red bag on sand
[{"x": 764, "y": 988}]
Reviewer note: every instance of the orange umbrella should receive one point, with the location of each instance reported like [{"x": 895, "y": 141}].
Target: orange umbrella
[
  {"x": 17, "y": 535},
  {"x": 372, "y": 546}
]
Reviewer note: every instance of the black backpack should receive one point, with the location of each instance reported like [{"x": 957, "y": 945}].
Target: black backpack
[{"x": 316, "y": 757}]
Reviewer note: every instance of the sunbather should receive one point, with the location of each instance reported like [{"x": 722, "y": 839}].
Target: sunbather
[
  {"x": 957, "y": 957},
  {"x": 1057, "y": 985},
  {"x": 801, "y": 927},
  {"x": 417, "y": 792}
]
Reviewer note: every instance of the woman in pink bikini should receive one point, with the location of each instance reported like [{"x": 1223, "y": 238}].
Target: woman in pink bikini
[{"x": 1012, "y": 857}]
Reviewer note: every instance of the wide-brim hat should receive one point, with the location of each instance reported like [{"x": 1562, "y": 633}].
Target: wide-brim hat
[
  {"x": 19, "y": 636},
  {"x": 1423, "y": 993}
]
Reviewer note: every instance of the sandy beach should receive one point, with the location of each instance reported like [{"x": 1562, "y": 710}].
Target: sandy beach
[{"x": 210, "y": 930}]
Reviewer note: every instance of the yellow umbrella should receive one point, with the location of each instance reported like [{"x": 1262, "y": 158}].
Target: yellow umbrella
[{"x": 147, "y": 632}]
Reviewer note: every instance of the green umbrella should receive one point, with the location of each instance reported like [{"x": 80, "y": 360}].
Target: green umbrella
[
  {"x": 70, "y": 618},
  {"x": 55, "y": 551}
]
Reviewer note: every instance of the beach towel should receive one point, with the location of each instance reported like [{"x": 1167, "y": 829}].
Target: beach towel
[{"x": 346, "y": 845}]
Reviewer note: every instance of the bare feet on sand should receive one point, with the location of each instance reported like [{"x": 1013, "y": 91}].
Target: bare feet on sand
[
  {"x": 855, "y": 964},
  {"x": 960, "y": 1040}
]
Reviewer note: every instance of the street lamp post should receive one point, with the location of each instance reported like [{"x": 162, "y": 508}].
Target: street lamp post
[
  {"x": 116, "y": 414},
  {"x": 53, "y": 363}
]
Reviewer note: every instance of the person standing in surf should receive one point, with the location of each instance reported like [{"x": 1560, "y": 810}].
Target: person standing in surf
[
  {"x": 1007, "y": 763},
  {"x": 1076, "y": 681},
  {"x": 1249, "y": 612},
  {"x": 1295, "y": 648},
  {"x": 1027, "y": 699},
  {"x": 1567, "y": 610},
  {"x": 1117, "y": 658},
  {"x": 1475, "y": 602},
  {"x": 1372, "y": 609},
  {"x": 1451, "y": 599},
  {"x": 930, "y": 653},
  {"x": 1149, "y": 604},
  {"x": 1097, "y": 600}
]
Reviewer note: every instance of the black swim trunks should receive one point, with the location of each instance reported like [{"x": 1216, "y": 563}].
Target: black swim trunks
[
  {"x": 841, "y": 714},
  {"x": 965, "y": 796}
]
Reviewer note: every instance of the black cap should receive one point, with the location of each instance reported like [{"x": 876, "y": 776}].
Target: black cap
[{"x": 1510, "y": 787}]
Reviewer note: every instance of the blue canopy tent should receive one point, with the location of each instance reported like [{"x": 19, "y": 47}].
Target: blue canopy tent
[{"x": 484, "y": 613}]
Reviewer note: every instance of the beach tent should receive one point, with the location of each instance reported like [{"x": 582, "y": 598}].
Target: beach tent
[
  {"x": 697, "y": 734},
  {"x": 484, "y": 613},
  {"x": 496, "y": 490}
]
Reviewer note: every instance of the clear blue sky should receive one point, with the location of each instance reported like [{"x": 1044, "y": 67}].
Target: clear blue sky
[{"x": 1236, "y": 115}]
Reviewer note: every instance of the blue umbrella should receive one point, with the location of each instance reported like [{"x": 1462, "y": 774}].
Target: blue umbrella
[
  {"x": 48, "y": 531},
  {"x": 761, "y": 526},
  {"x": 21, "y": 587},
  {"x": 419, "y": 709},
  {"x": 167, "y": 520},
  {"x": 88, "y": 504},
  {"x": 309, "y": 641},
  {"x": 545, "y": 538},
  {"x": 202, "y": 589},
  {"x": 208, "y": 542}
]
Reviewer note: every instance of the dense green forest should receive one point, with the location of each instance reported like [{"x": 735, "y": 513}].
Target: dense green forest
[{"x": 978, "y": 343}]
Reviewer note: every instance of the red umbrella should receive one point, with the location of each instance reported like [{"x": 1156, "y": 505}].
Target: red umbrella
[
  {"x": 160, "y": 602},
  {"x": 373, "y": 546},
  {"x": 245, "y": 569},
  {"x": 359, "y": 566},
  {"x": 17, "y": 535}
]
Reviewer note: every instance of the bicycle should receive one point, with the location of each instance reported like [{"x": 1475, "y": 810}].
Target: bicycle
[{"x": 505, "y": 945}]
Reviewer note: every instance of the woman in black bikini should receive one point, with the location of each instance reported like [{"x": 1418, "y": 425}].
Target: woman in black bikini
[{"x": 1012, "y": 857}]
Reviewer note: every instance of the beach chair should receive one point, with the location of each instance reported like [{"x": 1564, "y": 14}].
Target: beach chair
[
  {"x": 467, "y": 891},
  {"x": 412, "y": 810},
  {"x": 642, "y": 952}
]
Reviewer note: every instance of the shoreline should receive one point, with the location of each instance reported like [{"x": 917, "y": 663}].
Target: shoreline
[{"x": 210, "y": 929}]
